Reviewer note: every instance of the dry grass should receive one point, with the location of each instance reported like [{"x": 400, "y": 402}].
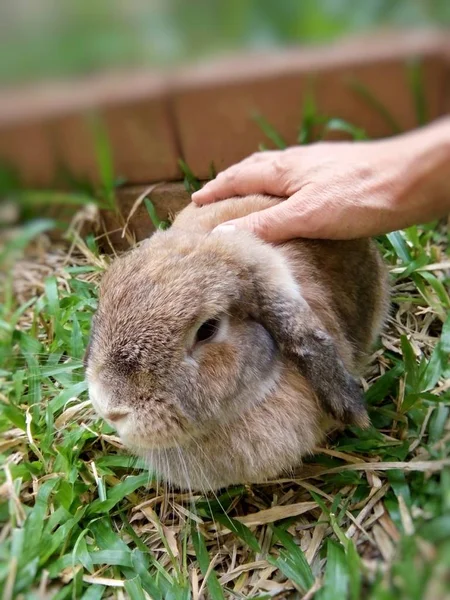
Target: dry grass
[{"x": 384, "y": 493}]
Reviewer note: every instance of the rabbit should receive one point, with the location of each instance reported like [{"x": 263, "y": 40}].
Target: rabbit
[{"x": 223, "y": 359}]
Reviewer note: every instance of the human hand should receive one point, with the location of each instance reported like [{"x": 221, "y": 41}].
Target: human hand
[{"x": 341, "y": 190}]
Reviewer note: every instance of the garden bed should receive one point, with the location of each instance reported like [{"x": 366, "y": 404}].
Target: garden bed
[
  {"x": 212, "y": 114},
  {"x": 368, "y": 515},
  {"x": 149, "y": 128}
]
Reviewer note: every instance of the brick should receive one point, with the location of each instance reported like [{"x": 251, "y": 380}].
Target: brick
[
  {"x": 446, "y": 107},
  {"x": 213, "y": 104},
  {"x": 167, "y": 198},
  {"x": 38, "y": 135},
  {"x": 26, "y": 148}
]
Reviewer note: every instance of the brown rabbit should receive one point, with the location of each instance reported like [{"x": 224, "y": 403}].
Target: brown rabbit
[{"x": 223, "y": 359}]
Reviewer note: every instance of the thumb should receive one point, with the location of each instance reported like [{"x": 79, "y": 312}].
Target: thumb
[{"x": 275, "y": 224}]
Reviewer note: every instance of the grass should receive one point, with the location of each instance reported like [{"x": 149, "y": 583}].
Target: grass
[
  {"x": 367, "y": 517},
  {"x": 43, "y": 43}
]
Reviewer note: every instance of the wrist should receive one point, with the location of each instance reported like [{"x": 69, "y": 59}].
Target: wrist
[{"x": 424, "y": 190}]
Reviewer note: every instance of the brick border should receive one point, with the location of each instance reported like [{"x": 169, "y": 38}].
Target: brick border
[
  {"x": 202, "y": 113},
  {"x": 47, "y": 127}
]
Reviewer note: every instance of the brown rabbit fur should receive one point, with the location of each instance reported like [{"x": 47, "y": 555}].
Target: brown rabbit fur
[{"x": 223, "y": 359}]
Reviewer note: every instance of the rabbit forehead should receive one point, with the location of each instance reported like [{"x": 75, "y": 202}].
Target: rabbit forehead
[
  {"x": 153, "y": 296},
  {"x": 180, "y": 288},
  {"x": 172, "y": 269}
]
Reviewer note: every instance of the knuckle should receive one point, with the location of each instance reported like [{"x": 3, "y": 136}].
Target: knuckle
[
  {"x": 259, "y": 157},
  {"x": 226, "y": 176},
  {"x": 281, "y": 172},
  {"x": 230, "y": 175},
  {"x": 278, "y": 166},
  {"x": 261, "y": 225}
]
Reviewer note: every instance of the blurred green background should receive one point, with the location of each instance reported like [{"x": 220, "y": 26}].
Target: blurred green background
[{"x": 53, "y": 38}]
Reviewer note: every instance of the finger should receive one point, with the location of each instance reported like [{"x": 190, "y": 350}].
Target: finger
[
  {"x": 255, "y": 175},
  {"x": 285, "y": 221}
]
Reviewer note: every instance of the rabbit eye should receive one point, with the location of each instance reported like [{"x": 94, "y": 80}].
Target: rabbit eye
[{"x": 207, "y": 330}]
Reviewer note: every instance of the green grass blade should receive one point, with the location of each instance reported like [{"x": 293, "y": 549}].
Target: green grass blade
[
  {"x": 336, "y": 581},
  {"x": 292, "y": 562},
  {"x": 411, "y": 366},
  {"x": 340, "y": 125},
  {"x": 191, "y": 183},
  {"x": 438, "y": 288},
  {"x": 369, "y": 97},
  {"x": 157, "y": 223},
  {"x": 104, "y": 160},
  {"x": 94, "y": 592},
  {"x": 133, "y": 588},
  {"x": 239, "y": 529},
  {"x": 355, "y": 572},
  {"x": 384, "y": 385},
  {"x": 120, "y": 558},
  {"x": 73, "y": 391},
  {"x": 34, "y": 524},
  {"x": 51, "y": 293},
  {"x": 415, "y": 80},
  {"x": 399, "y": 245},
  {"x": 439, "y": 360},
  {"x": 269, "y": 131},
  {"x": 202, "y": 555},
  {"x": 141, "y": 566},
  {"x": 309, "y": 118},
  {"x": 118, "y": 492},
  {"x": 76, "y": 341}
]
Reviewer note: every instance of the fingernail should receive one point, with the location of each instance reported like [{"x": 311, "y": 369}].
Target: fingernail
[{"x": 225, "y": 228}]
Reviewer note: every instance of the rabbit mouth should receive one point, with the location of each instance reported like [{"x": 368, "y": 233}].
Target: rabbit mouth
[
  {"x": 170, "y": 433},
  {"x": 139, "y": 443}
]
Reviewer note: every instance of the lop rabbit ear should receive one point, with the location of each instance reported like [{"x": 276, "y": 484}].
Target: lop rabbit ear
[{"x": 301, "y": 339}]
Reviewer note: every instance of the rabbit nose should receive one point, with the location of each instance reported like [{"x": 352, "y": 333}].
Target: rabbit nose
[{"x": 116, "y": 415}]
